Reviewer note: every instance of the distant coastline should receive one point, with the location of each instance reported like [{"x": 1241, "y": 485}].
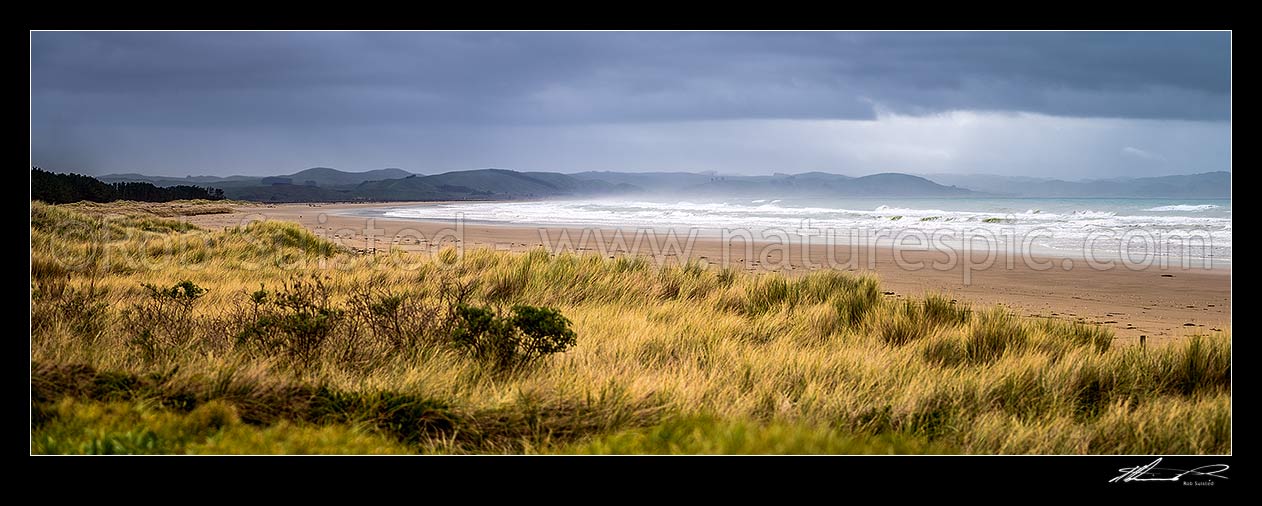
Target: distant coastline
[{"x": 390, "y": 185}]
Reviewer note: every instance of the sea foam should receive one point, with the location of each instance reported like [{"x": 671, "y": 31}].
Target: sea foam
[
  {"x": 1057, "y": 224},
  {"x": 1183, "y": 207}
]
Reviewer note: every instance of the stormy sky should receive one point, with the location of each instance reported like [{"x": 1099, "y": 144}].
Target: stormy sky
[{"x": 1067, "y": 105}]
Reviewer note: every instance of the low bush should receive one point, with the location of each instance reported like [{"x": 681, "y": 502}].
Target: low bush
[
  {"x": 295, "y": 320},
  {"x": 163, "y": 321},
  {"x": 510, "y": 342}
]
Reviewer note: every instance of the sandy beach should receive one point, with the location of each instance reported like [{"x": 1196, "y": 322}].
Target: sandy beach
[{"x": 1159, "y": 302}]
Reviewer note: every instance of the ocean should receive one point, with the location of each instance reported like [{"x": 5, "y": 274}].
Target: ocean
[{"x": 1132, "y": 229}]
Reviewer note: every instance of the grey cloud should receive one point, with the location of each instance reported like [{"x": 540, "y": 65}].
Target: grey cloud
[
  {"x": 609, "y": 77},
  {"x": 186, "y": 98}
]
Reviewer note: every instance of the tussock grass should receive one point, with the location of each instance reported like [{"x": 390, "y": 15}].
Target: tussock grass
[
  {"x": 672, "y": 359},
  {"x": 1078, "y": 333},
  {"x": 162, "y": 209},
  {"x": 913, "y": 320}
]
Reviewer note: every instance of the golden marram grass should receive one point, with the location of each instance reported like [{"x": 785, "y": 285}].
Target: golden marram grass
[{"x": 669, "y": 358}]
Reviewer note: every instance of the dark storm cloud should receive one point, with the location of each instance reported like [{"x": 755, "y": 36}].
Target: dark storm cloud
[
  {"x": 95, "y": 91},
  {"x": 268, "y": 78}
]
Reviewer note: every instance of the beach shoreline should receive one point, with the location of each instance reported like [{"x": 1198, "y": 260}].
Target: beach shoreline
[{"x": 1157, "y": 302}]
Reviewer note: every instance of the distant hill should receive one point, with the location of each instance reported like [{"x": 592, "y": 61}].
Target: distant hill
[
  {"x": 1208, "y": 185},
  {"x": 167, "y": 180},
  {"x": 505, "y": 182},
  {"x": 895, "y": 184},
  {"x": 324, "y": 176},
  {"x": 417, "y": 188},
  {"x": 814, "y": 183},
  {"x": 568, "y": 183},
  {"x": 316, "y": 176},
  {"x": 649, "y": 181},
  {"x": 323, "y": 184},
  {"x": 823, "y": 184},
  {"x": 327, "y": 184}
]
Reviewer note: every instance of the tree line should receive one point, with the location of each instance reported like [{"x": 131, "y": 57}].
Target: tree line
[{"x": 55, "y": 188}]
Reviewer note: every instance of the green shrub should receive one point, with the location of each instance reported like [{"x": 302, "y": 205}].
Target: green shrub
[
  {"x": 164, "y": 321},
  {"x": 296, "y": 320},
  {"x": 506, "y": 343},
  {"x": 183, "y": 293},
  {"x": 400, "y": 319},
  {"x": 544, "y": 329}
]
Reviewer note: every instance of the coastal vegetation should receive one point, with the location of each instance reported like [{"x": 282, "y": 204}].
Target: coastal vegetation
[
  {"x": 57, "y": 188},
  {"x": 150, "y": 335}
]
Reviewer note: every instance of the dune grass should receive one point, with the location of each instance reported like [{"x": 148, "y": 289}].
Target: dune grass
[
  {"x": 157, "y": 209},
  {"x": 675, "y": 358}
]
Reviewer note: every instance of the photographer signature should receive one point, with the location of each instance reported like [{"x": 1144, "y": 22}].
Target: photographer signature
[{"x": 1151, "y": 472}]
